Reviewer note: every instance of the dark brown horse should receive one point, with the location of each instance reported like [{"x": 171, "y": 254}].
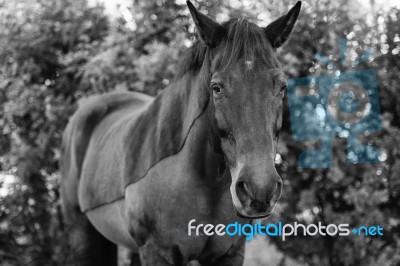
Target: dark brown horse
[{"x": 136, "y": 169}]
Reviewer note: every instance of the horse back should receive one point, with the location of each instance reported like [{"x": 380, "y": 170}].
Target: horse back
[{"x": 96, "y": 114}]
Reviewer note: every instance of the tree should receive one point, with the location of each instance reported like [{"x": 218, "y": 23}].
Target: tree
[
  {"x": 37, "y": 87},
  {"x": 353, "y": 194},
  {"x": 55, "y": 54}
]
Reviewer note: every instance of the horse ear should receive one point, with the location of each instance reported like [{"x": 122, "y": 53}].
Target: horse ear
[
  {"x": 278, "y": 32},
  {"x": 210, "y": 31}
]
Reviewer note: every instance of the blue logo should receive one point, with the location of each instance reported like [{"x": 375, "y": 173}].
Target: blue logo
[
  {"x": 338, "y": 104},
  {"x": 280, "y": 230}
]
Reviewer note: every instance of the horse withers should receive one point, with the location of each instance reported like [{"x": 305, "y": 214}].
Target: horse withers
[{"x": 136, "y": 169}]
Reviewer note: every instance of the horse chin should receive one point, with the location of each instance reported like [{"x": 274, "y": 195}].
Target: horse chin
[{"x": 254, "y": 216}]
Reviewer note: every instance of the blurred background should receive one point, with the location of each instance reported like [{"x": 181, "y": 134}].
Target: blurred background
[{"x": 55, "y": 53}]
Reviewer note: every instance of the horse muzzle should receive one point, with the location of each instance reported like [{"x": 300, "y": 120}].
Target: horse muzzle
[{"x": 254, "y": 199}]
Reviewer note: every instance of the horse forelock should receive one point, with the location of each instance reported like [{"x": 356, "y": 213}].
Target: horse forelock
[
  {"x": 247, "y": 41},
  {"x": 242, "y": 40}
]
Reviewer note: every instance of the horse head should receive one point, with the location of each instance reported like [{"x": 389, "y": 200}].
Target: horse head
[{"x": 246, "y": 88}]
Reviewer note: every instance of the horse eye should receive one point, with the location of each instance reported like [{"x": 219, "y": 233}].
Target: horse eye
[
  {"x": 216, "y": 90},
  {"x": 282, "y": 91}
]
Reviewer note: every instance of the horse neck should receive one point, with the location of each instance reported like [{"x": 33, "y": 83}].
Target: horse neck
[{"x": 193, "y": 93}]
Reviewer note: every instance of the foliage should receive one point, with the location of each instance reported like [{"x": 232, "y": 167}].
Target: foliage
[
  {"x": 38, "y": 89},
  {"x": 53, "y": 53},
  {"x": 346, "y": 193}
]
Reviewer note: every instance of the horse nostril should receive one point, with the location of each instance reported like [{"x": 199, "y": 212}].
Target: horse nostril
[
  {"x": 276, "y": 194},
  {"x": 271, "y": 192},
  {"x": 242, "y": 191}
]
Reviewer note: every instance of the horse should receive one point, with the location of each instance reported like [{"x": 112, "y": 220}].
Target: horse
[{"x": 137, "y": 169}]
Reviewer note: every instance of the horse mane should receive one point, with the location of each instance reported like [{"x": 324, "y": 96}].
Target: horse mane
[
  {"x": 242, "y": 39},
  {"x": 193, "y": 59}
]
